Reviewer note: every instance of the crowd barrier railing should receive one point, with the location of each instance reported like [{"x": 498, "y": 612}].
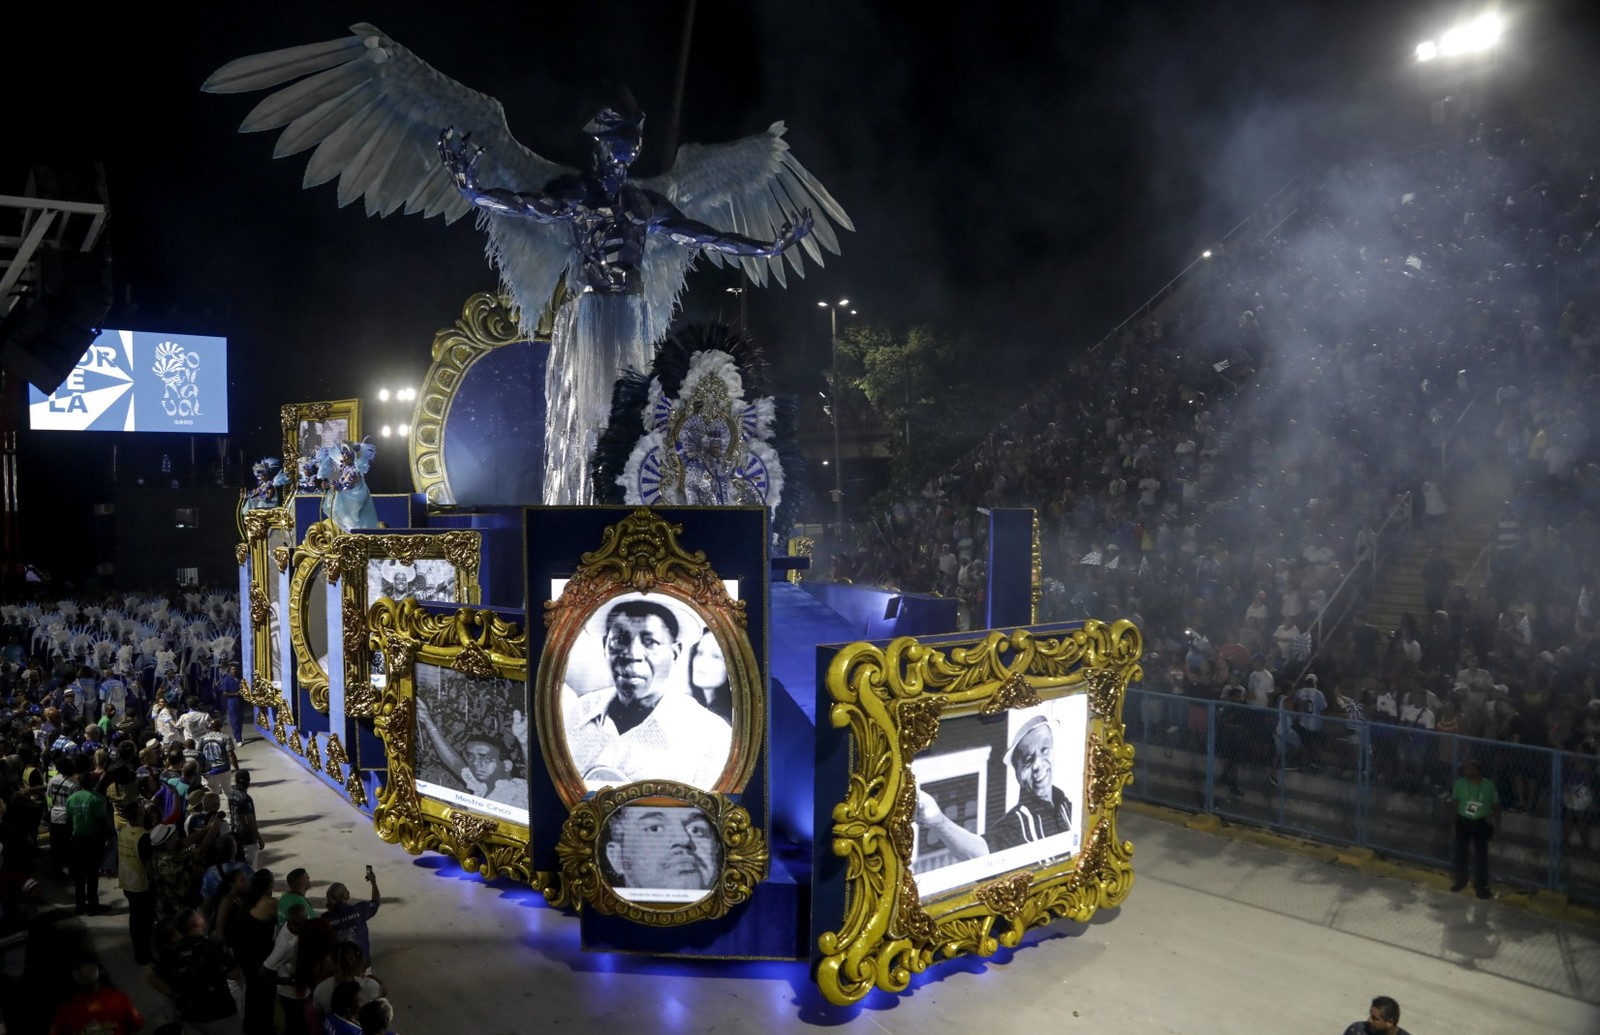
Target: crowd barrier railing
[{"x": 1368, "y": 784}]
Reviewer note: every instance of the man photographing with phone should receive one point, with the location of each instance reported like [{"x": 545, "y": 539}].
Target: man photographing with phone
[{"x": 349, "y": 919}]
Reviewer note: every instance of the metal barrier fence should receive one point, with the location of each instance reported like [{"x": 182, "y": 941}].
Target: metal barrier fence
[{"x": 1372, "y": 784}]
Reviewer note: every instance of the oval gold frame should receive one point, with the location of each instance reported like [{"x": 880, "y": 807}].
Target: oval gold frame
[
  {"x": 745, "y": 855},
  {"x": 309, "y": 560},
  {"x": 641, "y": 554},
  {"x": 258, "y": 552},
  {"x": 488, "y": 321}
]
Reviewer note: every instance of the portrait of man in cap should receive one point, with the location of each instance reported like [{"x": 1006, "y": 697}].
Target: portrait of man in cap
[{"x": 1043, "y": 764}]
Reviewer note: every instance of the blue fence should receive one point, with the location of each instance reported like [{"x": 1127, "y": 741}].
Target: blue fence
[{"x": 1370, "y": 784}]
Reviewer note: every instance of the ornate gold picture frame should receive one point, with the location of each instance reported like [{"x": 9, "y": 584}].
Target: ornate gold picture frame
[
  {"x": 472, "y": 660},
  {"x": 1012, "y": 696},
  {"x": 397, "y": 566},
  {"x": 269, "y": 535},
  {"x": 309, "y": 601},
  {"x": 632, "y": 626},
  {"x": 661, "y": 853},
  {"x": 309, "y": 425}
]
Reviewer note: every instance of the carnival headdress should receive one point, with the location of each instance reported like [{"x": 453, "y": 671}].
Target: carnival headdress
[{"x": 697, "y": 430}]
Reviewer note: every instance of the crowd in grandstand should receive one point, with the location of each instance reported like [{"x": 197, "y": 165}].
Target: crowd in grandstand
[{"x": 1215, "y": 471}]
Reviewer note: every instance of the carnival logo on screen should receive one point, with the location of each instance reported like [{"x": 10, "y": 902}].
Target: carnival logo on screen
[{"x": 140, "y": 381}]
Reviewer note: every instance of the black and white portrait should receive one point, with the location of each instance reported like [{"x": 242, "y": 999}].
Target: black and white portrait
[
  {"x": 471, "y": 741},
  {"x": 630, "y": 704},
  {"x": 315, "y": 434},
  {"x": 661, "y": 853},
  {"x": 995, "y": 795},
  {"x": 426, "y": 578}
]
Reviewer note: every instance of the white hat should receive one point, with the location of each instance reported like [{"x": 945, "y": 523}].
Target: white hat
[
  {"x": 1024, "y": 730},
  {"x": 160, "y": 834}
]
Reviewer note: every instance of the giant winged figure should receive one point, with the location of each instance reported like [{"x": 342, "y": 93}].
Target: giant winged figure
[{"x": 400, "y": 134}]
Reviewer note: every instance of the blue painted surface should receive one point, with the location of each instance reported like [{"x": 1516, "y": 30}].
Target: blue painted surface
[
  {"x": 494, "y": 431},
  {"x": 871, "y": 613}
]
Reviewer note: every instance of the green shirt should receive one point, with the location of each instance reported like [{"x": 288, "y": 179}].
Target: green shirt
[
  {"x": 1475, "y": 800},
  {"x": 288, "y": 901},
  {"x": 87, "y": 814}
]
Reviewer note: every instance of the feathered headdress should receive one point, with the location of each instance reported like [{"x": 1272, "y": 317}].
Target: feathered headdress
[
  {"x": 358, "y": 454},
  {"x": 264, "y": 467},
  {"x": 222, "y": 647},
  {"x": 698, "y": 430},
  {"x": 166, "y": 662}
]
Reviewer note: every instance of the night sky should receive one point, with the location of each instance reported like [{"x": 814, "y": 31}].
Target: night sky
[{"x": 1030, "y": 173}]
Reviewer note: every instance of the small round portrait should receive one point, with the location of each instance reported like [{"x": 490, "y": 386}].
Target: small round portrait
[{"x": 668, "y": 853}]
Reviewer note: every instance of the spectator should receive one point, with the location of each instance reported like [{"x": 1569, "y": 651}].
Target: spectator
[
  {"x": 349, "y": 919},
  {"x": 90, "y": 819},
  {"x": 194, "y": 972},
  {"x": 96, "y": 1007},
  {"x": 217, "y": 757},
  {"x": 376, "y": 1017},
  {"x": 242, "y": 817},
  {"x": 298, "y": 882}
]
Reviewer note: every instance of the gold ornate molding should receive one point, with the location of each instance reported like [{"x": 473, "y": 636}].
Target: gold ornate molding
[
  {"x": 495, "y": 847},
  {"x": 641, "y": 554},
  {"x": 745, "y": 856},
  {"x": 345, "y": 562},
  {"x": 291, "y": 415},
  {"x": 257, "y": 523},
  {"x": 309, "y": 560},
  {"x": 891, "y": 701},
  {"x": 313, "y": 753},
  {"x": 262, "y": 529},
  {"x": 488, "y": 321},
  {"x": 260, "y": 606},
  {"x": 241, "y": 553},
  {"x": 336, "y": 759}
]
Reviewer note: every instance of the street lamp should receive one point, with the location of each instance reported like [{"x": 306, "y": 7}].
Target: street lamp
[
  {"x": 833, "y": 386},
  {"x": 1472, "y": 37}
]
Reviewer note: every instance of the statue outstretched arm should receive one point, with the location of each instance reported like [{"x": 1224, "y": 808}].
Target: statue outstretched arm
[
  {"x": 460, "y": 157},
  {"x": 666, "y": 219}
]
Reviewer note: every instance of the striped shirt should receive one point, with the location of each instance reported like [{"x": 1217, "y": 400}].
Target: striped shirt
[{"x": 1032, "y": 819}]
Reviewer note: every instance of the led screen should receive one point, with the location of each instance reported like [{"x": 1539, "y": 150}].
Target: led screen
[{"x": 140, "y": 381}]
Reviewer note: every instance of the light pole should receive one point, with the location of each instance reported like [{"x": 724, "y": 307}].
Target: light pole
[{"x": 833, "y": 387}]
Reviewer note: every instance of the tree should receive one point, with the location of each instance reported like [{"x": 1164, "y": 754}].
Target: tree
[{"x": 929, "y": 389}]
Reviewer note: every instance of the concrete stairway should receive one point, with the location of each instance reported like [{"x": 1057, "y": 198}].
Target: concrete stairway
[{"x": 1475, "y": 497}]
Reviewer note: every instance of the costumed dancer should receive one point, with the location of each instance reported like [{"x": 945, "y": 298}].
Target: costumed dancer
[
  {"x": 348, "y": 502},
  {"x": 620, "y": 247},
  {"x": 698, "y": 430},
  {"x": 270, "y": 482}
]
